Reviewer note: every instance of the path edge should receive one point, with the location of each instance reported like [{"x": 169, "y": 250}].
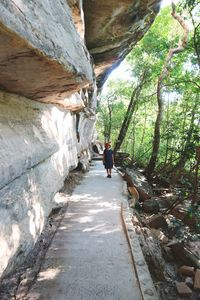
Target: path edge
[{"x": 142, "y": 271}]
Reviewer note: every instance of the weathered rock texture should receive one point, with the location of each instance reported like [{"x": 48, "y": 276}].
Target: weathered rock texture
[
  {"x": 42, "y": 56},
  {"x": 113, "y": 28},
  {"x": 78, "y": 16},
  {"x": 38, "y": 148},
  {"x": 48, "y": 100}
]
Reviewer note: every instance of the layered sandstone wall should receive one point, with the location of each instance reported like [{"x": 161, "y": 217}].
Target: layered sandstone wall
[
  {"x": 38, "y": 148},
  {"x": 43, "y": 57}
]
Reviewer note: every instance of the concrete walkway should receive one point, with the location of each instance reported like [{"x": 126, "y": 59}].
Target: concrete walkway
[{"x": 89, "y": 258}]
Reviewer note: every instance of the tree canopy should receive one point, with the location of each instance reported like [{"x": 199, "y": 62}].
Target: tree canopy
[{"x": 180, "y": 123}]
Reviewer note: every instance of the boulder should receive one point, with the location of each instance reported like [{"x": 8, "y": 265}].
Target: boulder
[
  {"x": 157, "y": 221},
  {"x": 186, "y": 271},
  {"x": 164, "y": 202},
  {"x": 184, "y": 255},
  {"x": 160, "y": 236},
  {"x": 189, "y": 281},
  {"x": 182, "y": 214},
  {"x": 150, "y": 206},
  {"x": 197, "y": 280},
  {"x": 134, "y": 195},
  {"x": 153, "y": 253},
  {"x": 137, "y": 179},
  {"x": 183, "y": 290}
]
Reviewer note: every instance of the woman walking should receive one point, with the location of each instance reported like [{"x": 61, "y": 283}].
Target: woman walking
[{"x": 108, "y": 159}]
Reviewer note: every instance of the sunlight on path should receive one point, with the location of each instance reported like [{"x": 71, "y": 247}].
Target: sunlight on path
[{"x": 89, "y": 258}]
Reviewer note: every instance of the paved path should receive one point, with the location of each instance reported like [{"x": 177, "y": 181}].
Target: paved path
[{"x": 89, "y": 258}]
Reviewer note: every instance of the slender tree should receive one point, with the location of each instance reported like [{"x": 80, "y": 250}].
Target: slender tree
[
  {"x": 109, "y": 105},
  {"x": 193, "y": 7},
  {"x": 181, "y": 46},
  {"x": 143, "y": 129},
  {"x": 129, "y": 112},
  {"x": 196, "y": 176},
  {"x": 185, "y": 153}
]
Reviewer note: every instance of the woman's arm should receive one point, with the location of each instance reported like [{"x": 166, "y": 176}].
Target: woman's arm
[
  {"x": 113, "y": 159},
  {"x": 104, "y": 157}
]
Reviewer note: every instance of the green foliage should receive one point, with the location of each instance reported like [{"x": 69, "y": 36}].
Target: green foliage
[
  {"x": 194, "y": 212},
  {"x": 117, "y": 105},
  {"x": 181, "y": 94}
]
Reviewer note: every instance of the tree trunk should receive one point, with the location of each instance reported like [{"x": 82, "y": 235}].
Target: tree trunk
[
  {"x": 129, "y": 113},
  {"x": 183, "y": 126},
  {"x": 109, "y": 118},
  {"x": 133, "y": 142},
  {"x": 185, "y": 153},
  {"x": 197, "y": 43},
  {"x": 196, "y": 37},
  {"x": 196, "y": 177},
  {"x": 143, "y": 131},
  {"x": 168, "y": 139},
  {"x": 156, "y": 141}
]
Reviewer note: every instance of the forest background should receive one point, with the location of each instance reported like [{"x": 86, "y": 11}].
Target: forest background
[{"x": 153, "y": 113}]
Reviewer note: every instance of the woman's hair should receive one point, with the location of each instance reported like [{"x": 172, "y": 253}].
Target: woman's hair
[{"x": 107, "y": 145}]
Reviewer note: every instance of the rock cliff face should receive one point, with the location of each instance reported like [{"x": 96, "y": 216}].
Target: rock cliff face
[
  {"x": 48, "y": 100},
  {"x": 42, "y": 56},
  {"x": 113, "y": 28},
  {"x": 38, "y": 148}
]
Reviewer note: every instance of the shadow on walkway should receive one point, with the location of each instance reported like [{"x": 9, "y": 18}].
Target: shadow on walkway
[{"x": 89, "y": 258}]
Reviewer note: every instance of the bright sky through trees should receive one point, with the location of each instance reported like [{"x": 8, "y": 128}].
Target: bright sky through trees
[{"x": 122, "y": 72}]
